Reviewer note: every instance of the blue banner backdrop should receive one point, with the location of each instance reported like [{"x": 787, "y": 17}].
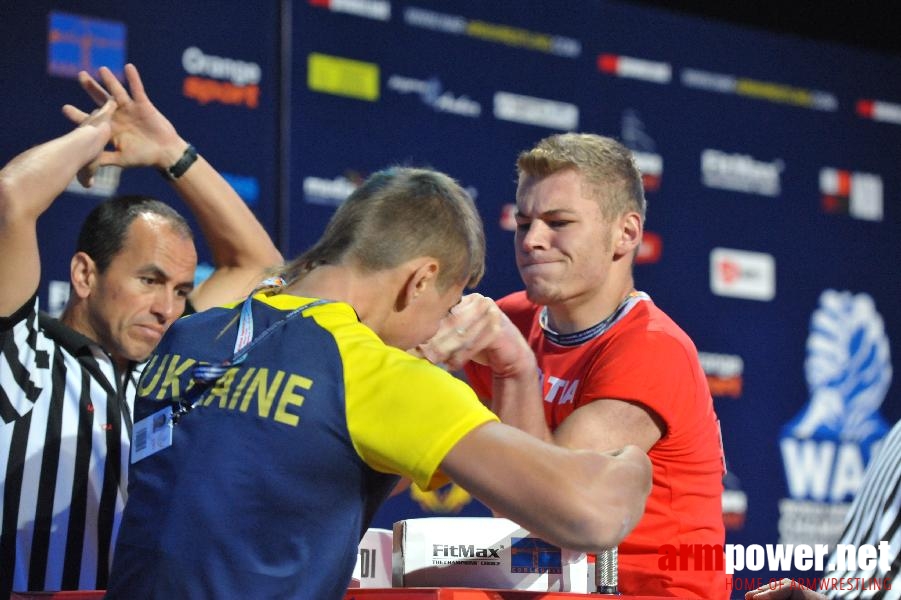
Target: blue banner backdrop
[
  {"x": 770, "y": 164},
  {"x": 211, "y": 68}
]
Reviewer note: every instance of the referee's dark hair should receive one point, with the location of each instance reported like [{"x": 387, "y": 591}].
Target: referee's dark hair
[{"x": 103, "y": 232}]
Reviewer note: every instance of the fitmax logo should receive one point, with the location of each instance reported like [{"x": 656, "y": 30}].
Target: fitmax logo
[{"x": 463, "y": 551}]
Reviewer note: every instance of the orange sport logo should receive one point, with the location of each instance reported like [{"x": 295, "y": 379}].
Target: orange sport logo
[{"x": 214, "y": 78}]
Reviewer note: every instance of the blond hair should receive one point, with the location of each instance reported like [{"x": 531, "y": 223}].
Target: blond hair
[{"x": 608, "y": 167}]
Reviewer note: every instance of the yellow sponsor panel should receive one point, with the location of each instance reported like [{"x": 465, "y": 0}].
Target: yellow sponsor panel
[
  {"x": 511, "y": 36},
  {"x": 343, "y": 77},
  {"x": 773, "y": 92}
]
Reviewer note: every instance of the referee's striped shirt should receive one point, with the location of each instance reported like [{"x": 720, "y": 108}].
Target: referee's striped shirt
[
  {"x": 873, "y": 517},
  {"x": 65, "y": 427}
]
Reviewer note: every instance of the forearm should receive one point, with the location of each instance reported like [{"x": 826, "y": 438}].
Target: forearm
[
  {"x": 235, "y": 237},
  {"x": 579, "y": 500},
  {"x": 242, "y": 249},
  {"x": 31, "y": 181},
  {"x": 599, "y": 498},
  {"x": 516, "y": 399},
  {"x": 28, "y": 186},
  {"x": 515, "y": 380}
]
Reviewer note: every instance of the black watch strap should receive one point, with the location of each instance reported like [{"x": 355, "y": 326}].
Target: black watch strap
[{"x": 181, "y": 165}]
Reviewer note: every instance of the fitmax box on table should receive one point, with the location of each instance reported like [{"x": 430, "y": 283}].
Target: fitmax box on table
[{"x": 482, "y": 552}]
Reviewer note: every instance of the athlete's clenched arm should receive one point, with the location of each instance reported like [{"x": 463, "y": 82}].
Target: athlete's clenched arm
[{"x": 581, "y": 500}]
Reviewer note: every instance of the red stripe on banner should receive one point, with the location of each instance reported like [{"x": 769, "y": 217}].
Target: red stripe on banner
[
  {"x": 865, "y": 108},
  {"x": 608, "y": 63},
  {"x": 830, "y": 203},
  {"x": 844, "y": 183},
  {"x": 651, "y": 248}
]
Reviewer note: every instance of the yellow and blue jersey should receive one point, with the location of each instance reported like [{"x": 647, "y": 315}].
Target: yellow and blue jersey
[{"x": 271, "y": 480}]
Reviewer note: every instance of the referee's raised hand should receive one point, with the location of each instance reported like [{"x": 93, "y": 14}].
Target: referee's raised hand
[{"x": 141, "y": 134}]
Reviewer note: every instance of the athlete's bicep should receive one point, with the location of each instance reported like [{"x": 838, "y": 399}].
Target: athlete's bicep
[{"x": 610, "y": 424}]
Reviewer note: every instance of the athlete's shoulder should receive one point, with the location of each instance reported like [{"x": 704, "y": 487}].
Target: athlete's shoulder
[
  {"x": 658, "y": 321},
  {"x": 644, "y": 315}
]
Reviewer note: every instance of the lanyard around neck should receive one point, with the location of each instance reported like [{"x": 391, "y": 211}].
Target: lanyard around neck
[{"x": 204, "y": 376}]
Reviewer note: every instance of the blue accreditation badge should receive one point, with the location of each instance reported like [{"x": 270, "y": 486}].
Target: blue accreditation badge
[{"x": 152, "y": 434}]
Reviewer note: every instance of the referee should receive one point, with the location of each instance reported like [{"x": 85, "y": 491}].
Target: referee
[
  {"x": 67, "y": 386},
  {"x": 871, "y": 520}
]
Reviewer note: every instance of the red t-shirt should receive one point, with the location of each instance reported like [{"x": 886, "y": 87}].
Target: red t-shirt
[{"x": 642, "y": 357}]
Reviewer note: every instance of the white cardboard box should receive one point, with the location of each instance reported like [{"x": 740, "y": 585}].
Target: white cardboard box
[
  {"x": 373, "y": 569},
  {"x": 482, "y": 552}
]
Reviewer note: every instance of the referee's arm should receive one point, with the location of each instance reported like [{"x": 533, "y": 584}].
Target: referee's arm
[{"x": 29, "y": 184}]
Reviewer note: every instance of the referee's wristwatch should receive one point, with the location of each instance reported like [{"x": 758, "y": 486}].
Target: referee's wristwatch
[{"x": 176, "y": 170}]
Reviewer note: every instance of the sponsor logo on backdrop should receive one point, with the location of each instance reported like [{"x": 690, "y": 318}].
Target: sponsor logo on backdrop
[
  {"x": 848, "y": 192},
  {"x": 723, "y": 83},
  {"x": 643, "y": 148},
  {"x": 651, "y": 167},
  {"x": 202, "y": 272},
  {"x": 635, "y": 68},
  {"x": 734, "y": 502},
  {"x": 497, "y": 33},
  {"x": 826, "y": 446},
  {"x": 57, "y": 296},
  {"x": 741, "y": 173},
  {"x": 536, "y": 111},
  {"x": 379, "y": 10},
  {"x": 742, "y": 274},
  {"x": 328, "y": 192},
  {"x": 220, "y": 79},
  {"x": 343, "y": 77},
  {"x": 725, "y": 379},
  {"x": 246, "y": 186},
  {"x": 725, "y": 373},
  {"x": 879, "y": 110},
  {"x": 650, "y": 250},
  {"x": 332, "y": 192},
  {"x": 507, "y": 220},
  {"x": 79, "y": 43},
  {"x": 105, "y": 184},
  {"x": 432, "y": 93}
]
